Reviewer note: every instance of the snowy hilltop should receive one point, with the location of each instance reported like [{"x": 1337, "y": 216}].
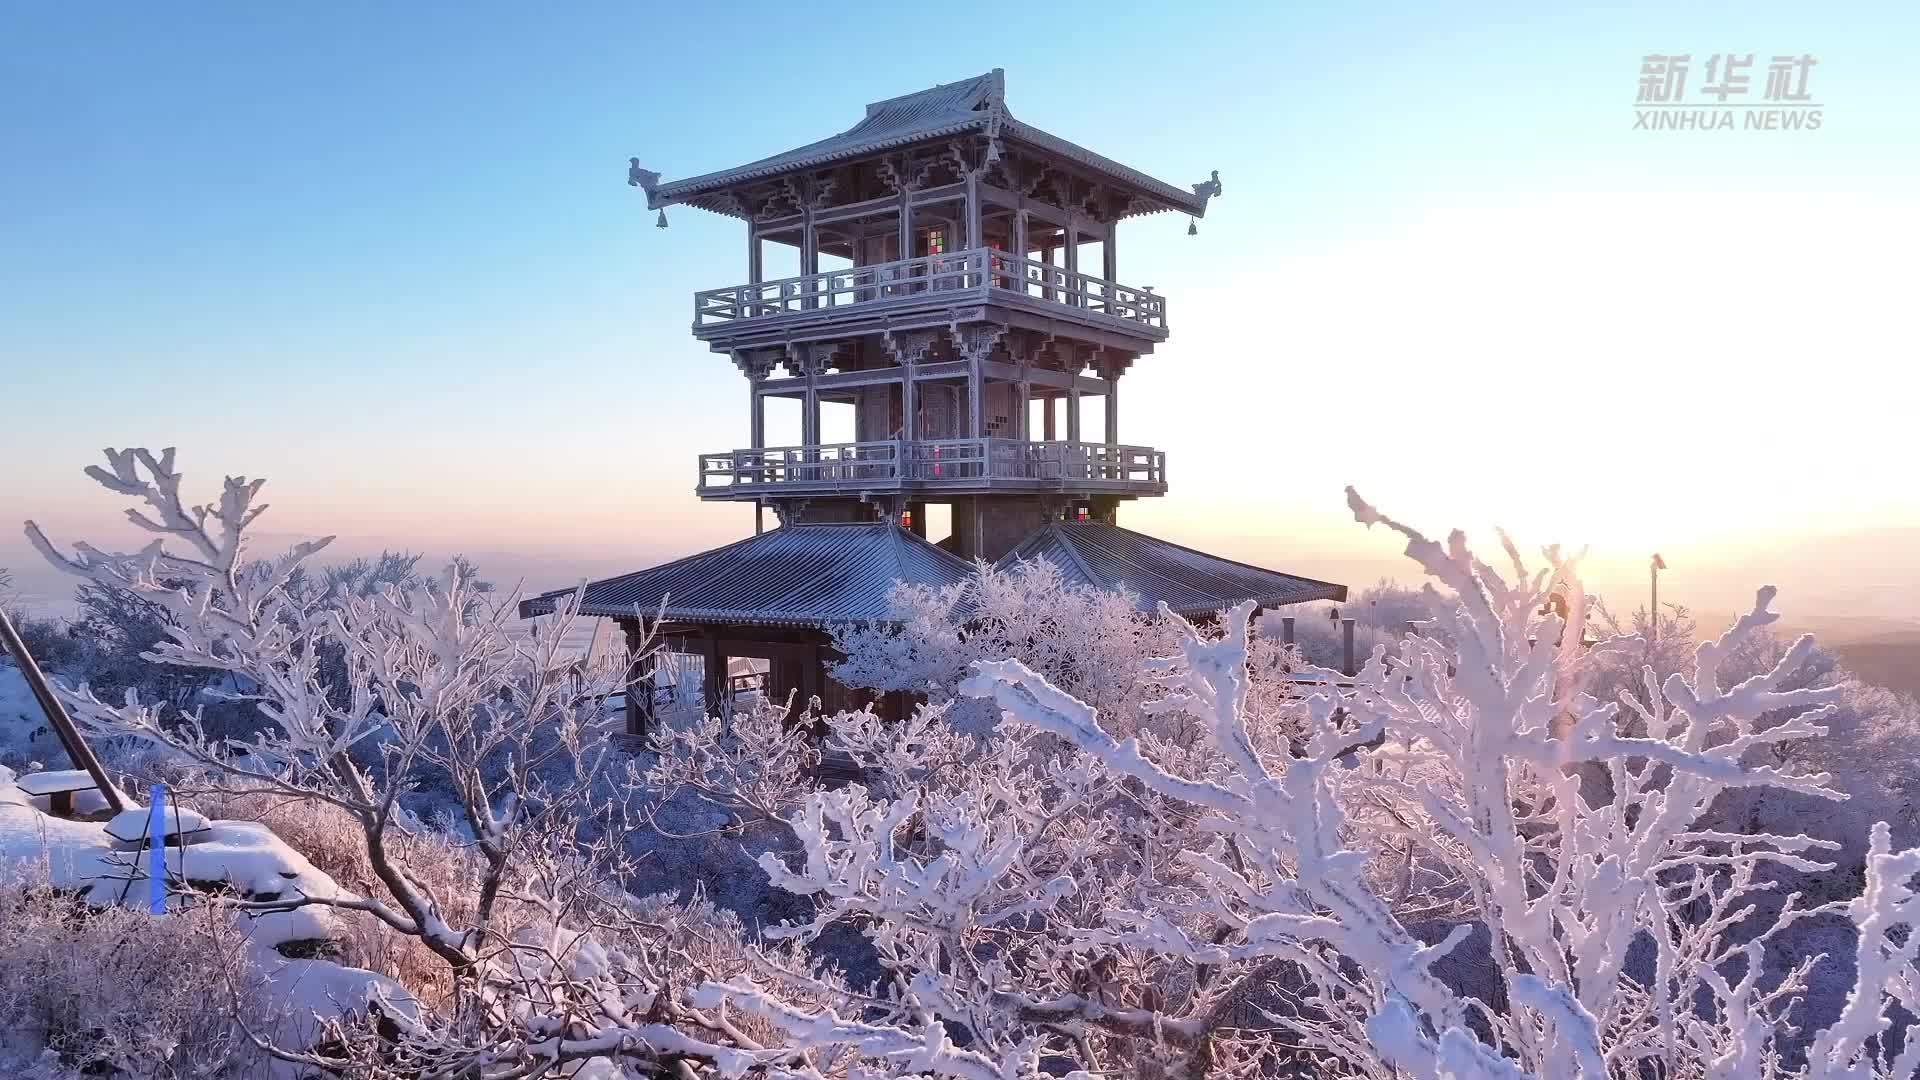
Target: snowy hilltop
[{"x": 1511, "y": 845}]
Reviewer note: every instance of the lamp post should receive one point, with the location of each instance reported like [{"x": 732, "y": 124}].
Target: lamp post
[{"x": 1654, "y": 567}]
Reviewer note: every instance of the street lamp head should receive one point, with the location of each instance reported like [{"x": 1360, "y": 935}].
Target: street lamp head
[{"x": 1658, "y": 562}]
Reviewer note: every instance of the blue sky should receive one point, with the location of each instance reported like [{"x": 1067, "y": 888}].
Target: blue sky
[{"x": 384, "y": 255}]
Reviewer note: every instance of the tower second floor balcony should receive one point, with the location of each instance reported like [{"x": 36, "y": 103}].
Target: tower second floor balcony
[
  {"x": 847, "y": 298},
  {"x": 954, "y": 466}
]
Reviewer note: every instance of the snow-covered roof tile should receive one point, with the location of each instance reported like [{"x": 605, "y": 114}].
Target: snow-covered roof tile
[
  {"x": 801, "y": 575},
  {"x": 1189, "y": 582}
]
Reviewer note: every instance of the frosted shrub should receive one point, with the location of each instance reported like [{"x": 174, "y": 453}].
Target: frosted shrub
[
  {"x": 1088, "y": 640},
  {"x": 755, "y": 764},
  {"x": 332, "y": 840},
  {"x": 1381, "y": 613},
  {"x": 112, "y": 992}
]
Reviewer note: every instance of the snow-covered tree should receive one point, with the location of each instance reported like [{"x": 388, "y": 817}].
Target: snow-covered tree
[
  {"x": 1230, "y": 875},
  {"x": 1626, "y": 938},
  {"x": 550, "y": 964},
  {"x": 1086, "y": 641}
]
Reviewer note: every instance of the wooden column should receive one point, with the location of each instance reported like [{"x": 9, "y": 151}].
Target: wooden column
[
  {"x": 809, "y": 243},
  {"x": 757, "y": 440},
  {"x": 974, "y": 239},
  {"x": 1113, "y": 410},
  {"x": 1073, "y": 410},
  {"x": 906, "y": 219},
  {"x": 755, "y": 273},
  {"x": 1072, "y": 257},
  {"x": 1023, "y": 406},
  {"x": 1110, "y": 259},
  {"x": 976, "y": 400},
  {"x": 1047, "y": 419},
  {"x": 1020, "y": 234},
  {"x": 909, "y": 404},
  {"x": 810, "y": 412},
  {"x": 713, "y": 679},
  {"x": 809, "y": 251},
  {"x": 639, "y": 711}
]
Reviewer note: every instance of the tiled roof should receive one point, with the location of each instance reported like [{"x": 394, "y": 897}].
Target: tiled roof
[
  {"x": 1190, "y": 582},
  {"x": 799, "y": 575},
  {"x": 976, "y": 104}
]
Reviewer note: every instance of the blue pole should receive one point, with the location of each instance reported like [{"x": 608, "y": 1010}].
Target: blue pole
[{"x": 157, "y": 861}]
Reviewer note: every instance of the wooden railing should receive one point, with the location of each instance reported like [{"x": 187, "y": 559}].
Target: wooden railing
[
  {"x": 895, "y": 463},
  {"x": 961, "y": 272},
  {"x": 833, "y": 463}
]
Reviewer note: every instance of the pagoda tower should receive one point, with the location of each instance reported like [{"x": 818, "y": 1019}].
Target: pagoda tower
[{"x": 942, "y": 306}]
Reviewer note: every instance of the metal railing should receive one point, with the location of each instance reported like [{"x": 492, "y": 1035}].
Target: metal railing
[
  {"x": 961, "y": 272},
  {"x": 896, "y": 463}
]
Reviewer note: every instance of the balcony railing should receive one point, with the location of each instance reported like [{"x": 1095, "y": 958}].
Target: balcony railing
[
  {"x": 947, "y": 276},
  {"x": 896, "y": 464}
]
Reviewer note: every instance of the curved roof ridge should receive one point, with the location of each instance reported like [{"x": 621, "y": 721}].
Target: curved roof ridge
[
  {"x": 1064, "y": 542},
  {"x": 994, "y": 84}
]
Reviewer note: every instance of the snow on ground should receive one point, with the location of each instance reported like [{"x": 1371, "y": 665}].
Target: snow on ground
[{"x": 245, "y": 857}]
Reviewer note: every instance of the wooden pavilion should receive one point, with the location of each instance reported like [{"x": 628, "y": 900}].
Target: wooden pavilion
[{"x": 941, "y": 301}]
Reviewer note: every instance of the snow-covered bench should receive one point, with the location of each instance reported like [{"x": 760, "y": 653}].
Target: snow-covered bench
[
  {"x": 58, "y": 787},
  {"x": 181, "y": 826}
]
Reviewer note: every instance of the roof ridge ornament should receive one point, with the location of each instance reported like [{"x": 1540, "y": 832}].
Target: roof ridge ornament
[{"x": 1206, "y": 190}]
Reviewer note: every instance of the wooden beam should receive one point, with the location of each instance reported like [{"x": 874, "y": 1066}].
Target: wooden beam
[
  {"x": 946, "y": 369},
  {"x": 940, "y": 372},
  {"x": 1045, "y": 211},
  {"x": 1056, "y": 380},
  {"x": 943, "y": 193},
  {"x": 850, "y": 211}
]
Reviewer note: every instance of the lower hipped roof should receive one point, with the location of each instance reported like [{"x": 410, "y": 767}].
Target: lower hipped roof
[
  {"x": 1189, "y": 582},
  {"x": 821, "y": 576},
  {"x": 798, "y": 575}
]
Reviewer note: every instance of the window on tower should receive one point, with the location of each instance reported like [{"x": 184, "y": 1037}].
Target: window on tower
[{"x": 936, "y": 241}]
